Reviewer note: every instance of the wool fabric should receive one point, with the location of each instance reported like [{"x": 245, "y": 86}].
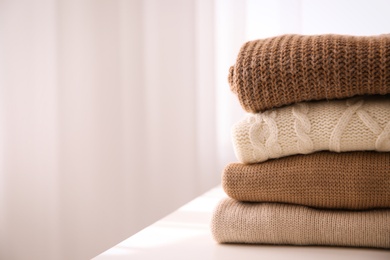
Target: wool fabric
[
  {"x": 273, "y": 223},
  {"x": 350, "y": 180},
  {"x": 292, "y": 68},
  {"x": 355, "y": 124}
]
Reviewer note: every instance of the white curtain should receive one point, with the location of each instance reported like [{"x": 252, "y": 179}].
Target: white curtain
[
  {"x": 113, "y": 113},
  {"x": 107, "y": 120}
]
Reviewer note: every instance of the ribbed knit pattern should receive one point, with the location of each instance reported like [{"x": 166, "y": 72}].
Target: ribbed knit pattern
[
  {"x": 354, "y": 124},
  {"x": 273, "y": 223},
  {"x": 353, "y": 180},
  {"x": 288, "y": 69}
]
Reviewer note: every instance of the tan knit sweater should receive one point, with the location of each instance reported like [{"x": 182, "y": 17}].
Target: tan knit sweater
[
  {"x": 288, "y": 69},
  {"x": 354, "y": 180},
  {"x": 339, "y": 125},
  {"x": 273, "y": 223}
]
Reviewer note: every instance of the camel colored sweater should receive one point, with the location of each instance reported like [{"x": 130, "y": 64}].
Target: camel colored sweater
[
  {"x": 273, "y": 223},
  {"x": 339, "y": 125},
  {"x": 350, "y": 180},
  {"x": 288, "y": 69}
]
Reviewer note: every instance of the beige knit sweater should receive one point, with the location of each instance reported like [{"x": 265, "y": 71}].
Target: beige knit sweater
[
  {"x": 273, "y": 223},
  {"x": 350, "y": 180},
  {"x": 339, "y": 125},
  {"x": 288, "y": 69}
]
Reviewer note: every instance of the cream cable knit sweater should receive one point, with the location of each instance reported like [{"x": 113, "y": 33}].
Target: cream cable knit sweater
[
  {"x": 273, "y": 223},
  {"x": 355, "y": 124}
]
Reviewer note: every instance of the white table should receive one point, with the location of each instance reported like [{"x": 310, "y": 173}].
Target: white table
[{"x": 185, "y": 234}]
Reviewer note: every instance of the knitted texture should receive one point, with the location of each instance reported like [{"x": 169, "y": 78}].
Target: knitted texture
[
  {"x": 339, "y": 125},
  {"x": 274, "y": 223},
  {"x": 351, "y": 180},
  {"x": 288, "y": 69}
]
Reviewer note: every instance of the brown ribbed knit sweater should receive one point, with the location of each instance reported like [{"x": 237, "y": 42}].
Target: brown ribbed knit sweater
[
  {"x": 287, "y": 69},
  {"x": 355, "y": 180}
]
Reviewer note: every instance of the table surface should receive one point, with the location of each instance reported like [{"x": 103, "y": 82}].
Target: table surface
[{"x": 185, "y": 234}]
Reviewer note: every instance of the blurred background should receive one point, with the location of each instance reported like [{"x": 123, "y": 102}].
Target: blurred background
[{"x": 114, "y": 113}]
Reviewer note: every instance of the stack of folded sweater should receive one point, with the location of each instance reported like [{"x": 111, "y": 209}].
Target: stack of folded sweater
[{"x": 314, "y": 149}]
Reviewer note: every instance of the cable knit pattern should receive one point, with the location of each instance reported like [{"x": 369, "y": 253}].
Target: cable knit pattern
[
  {"x": 349, "y": 180},
  {"x": 264, "y": 134},
  {"x": 288, "y": 69},
  {"x": 302, "y": 128},
  {"x": 355, "y": 124},
  {"x": 274, "y": 223},
  {"x": 352, "y": 106}
]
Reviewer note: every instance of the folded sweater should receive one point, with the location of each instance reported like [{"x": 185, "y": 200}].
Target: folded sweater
[
  {"x": 354, "y": 124},
  {"x": 288, "y": 69},
  {"x": 350, "y": 180},
  {"x": 273, "y": 223}
]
